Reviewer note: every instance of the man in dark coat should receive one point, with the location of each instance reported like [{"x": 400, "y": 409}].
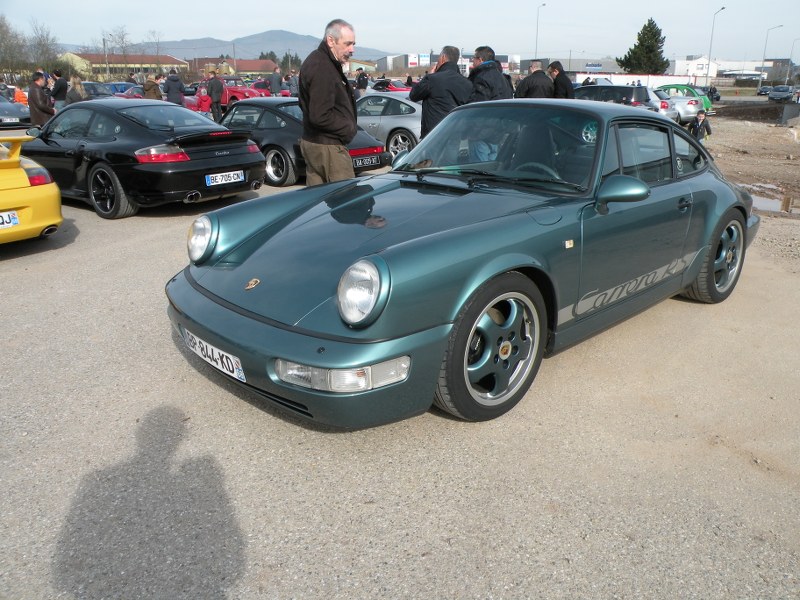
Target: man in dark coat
[
  {"x": 275, "y": 81},
  {"x": 561, "y": 83},
  {"x": 59, "y": 91},
  {"x": 488, "y": 81},
  {"x": 441, "y": 90},
  {"x": 536, "y": 85},
  {"x": 38, "y": 101},
  {"x": 215, "y": 89},
  {"x": 173, "y": 88},
  {"x": 329, "y": 106}
]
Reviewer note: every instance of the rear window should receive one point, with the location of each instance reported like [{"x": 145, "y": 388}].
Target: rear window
[{"x": 165, "y": 117}]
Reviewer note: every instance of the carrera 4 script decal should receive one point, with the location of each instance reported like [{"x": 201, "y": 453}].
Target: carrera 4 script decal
[{"x": 596, "y": 299}]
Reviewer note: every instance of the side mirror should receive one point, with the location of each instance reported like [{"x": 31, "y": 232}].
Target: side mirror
[
  {"x": 620, "y": 188},
  {"x": 398, "y": 159},
  {"x": 34, "y": 131}
]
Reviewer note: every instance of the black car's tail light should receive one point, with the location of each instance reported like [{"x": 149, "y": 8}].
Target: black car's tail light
[
  {"x": 165, "y": 153},
  {"x": 366, "y": 151}
]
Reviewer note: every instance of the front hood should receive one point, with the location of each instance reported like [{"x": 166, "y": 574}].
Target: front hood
[{"x": 299, "y": 258}]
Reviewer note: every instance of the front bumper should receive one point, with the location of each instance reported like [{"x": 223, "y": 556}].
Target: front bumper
[{"x": 258, "y": 344}]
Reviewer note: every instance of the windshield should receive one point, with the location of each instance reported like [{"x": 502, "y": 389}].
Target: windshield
[
  {"x": 167, "y": 117},
  {"x": 234, "y": 82},
  {"x": 781, "y": 88},
  {"x": 525, "y": 144}
]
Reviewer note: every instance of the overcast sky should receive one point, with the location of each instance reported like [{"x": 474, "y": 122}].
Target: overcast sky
[{"x": 586, "y": 28}]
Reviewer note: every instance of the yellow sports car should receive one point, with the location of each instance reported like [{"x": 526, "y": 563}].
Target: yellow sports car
[{"x": 30, "y": 202}]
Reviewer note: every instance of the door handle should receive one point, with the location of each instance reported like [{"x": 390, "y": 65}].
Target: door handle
[{"x": 684, "y": 203}]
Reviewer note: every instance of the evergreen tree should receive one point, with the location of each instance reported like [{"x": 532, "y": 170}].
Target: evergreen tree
[{"x": 646, "y": 56}]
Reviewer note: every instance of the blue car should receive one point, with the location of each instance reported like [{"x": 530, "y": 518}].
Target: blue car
[{"x": 513, "y": 231}]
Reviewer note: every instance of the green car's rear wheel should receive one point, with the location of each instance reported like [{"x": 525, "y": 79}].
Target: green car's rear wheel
[{"x": 495, "y": 349}]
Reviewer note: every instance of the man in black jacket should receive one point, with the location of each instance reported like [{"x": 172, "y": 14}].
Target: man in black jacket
[
  {"x": 215, "y": 89},
  {"x": 173, "y": 87},
  {"x": 441, "y": 90},
  {"x": 329, "y": 107},
  {"x": 488, "y": 81},
  {"x": 536, "y": 85},
  {"x": 562, "y": 84}
]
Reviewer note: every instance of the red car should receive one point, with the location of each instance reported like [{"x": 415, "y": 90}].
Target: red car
[
  {"x": 234, "y": 89},
  {"x": 262, "y": 87},
  {"x": 390, "y": 85},
  {"x": 137, "y": 91}
]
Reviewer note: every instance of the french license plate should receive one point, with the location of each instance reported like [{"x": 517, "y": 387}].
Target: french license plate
[
  {"x": 366, "y": 161},
  {"x": 221, "y": 178},
  {"x": 9, "y": 119},
  {"x": 227, "y": 363},
  {"x": 8, "y": 219}
]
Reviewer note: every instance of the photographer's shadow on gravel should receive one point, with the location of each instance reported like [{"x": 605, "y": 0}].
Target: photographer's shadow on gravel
[{"x": 151, "y": 527}]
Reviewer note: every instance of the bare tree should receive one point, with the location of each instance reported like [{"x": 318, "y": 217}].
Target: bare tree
[
  {"x": 42, "y": 45},
  {"x": 153, "y": 42},
  {"x": 120, "y": 39},
  {"x": 12, "y": 49}
]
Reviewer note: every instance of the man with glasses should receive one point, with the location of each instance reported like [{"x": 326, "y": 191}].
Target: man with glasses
[{"x": 488, "y": 80}]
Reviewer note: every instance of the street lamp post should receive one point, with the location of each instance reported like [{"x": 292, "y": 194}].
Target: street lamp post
[
  {"x": 105, "y": 53},
  {"x": 710, "y": 42},
  {"x": 536, "y": 48},
  {"x": 788, "y": 70},
  {"x": 763, "y": 56}
]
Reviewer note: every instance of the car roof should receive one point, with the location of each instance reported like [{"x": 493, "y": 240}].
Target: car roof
[
  {"x": 604, "y": 111},
  {"x": 269, "y": 100}
]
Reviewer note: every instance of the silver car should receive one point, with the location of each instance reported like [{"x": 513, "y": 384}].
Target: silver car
[
  {"x": 632, "y": 95},
  {"x": 392, "y": 118}
]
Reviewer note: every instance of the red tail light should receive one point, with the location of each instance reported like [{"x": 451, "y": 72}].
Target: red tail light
[
  {"x": 693, "y": 102},
  {"x": 37, "y": 175},
  {"x": 251, "y": 147},
  {"x": 664, "y": 105},
  {"x": 366, "y": 151},
  {"x": 166, "y": 153}
]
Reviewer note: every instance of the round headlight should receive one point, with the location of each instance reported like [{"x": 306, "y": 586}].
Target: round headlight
[
  {"x": 358, "y": 292},
  {"x": 199, "y": 237}
]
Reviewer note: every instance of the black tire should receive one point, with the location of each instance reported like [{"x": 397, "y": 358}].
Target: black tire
[
  {"x": 399, "y": 140},
  {"x": 280, "y": 170},
  {"x": 724, "y": 262},
  {"x": 106, "y": 194},
  {"x": 495, "y": 349}
]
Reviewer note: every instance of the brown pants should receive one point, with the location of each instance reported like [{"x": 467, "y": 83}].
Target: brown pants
[{"x": 326, "y": 163}]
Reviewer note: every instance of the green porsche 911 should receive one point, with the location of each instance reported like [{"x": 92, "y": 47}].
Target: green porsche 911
[{"x": 514, "y": 230}]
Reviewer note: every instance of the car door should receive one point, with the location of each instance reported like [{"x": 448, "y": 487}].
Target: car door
[
  {"x": 368, "y": 112},
  {"x": 58, "y": 147},
  {"x": 637, "y": 245}
]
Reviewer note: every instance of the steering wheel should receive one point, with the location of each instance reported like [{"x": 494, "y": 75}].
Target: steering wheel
[{"x": 537, "y": 166}]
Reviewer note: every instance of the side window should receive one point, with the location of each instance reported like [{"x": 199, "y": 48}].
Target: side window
[
  {"x": 688, "y": 157},
  {"x": 269, "y": 120},
  {"x": 104, "y": 126},
  {"x": 244, "y": 117},
  {"x": 611, "y": 158},
  {"x": 645, "y": 152},
  {"x": 71, "y": 124},
  {"x": 292, "y": 109}
]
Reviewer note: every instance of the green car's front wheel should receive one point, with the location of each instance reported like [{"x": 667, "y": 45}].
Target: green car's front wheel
[{"x": 495, "y": 349}]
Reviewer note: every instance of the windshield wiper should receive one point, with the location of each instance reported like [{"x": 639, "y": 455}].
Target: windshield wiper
[{"x": 520, "y": 180}]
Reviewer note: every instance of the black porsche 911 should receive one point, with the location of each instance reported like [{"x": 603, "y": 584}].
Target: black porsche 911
[
  {"x": 276, "y": 124},
  {"x": 119, "y": 155}
]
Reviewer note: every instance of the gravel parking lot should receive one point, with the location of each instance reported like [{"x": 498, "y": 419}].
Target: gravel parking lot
[{"x": 660, "y": 459}]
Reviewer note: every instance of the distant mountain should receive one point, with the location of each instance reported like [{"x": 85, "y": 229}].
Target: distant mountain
[{"x": 278, "y": 41}]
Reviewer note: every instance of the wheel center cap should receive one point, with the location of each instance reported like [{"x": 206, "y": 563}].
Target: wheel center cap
[{"x": 505, "y": 350}]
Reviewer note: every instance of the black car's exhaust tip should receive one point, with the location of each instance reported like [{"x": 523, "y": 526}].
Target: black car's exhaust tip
[
  {"x": 256, "y": 184},
  {"x": 192, "y": 197}
]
